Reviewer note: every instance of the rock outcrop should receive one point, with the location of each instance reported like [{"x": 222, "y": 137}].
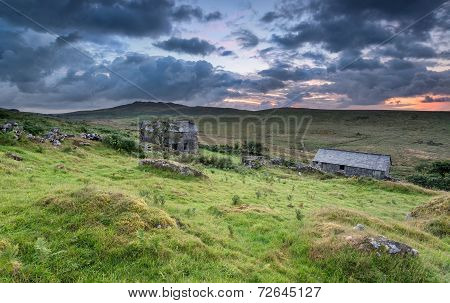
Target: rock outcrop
[
  {"x": 92, "y": 137},
  {"x": 14, "y": 156},
  {"x": 382, "y": 244},
  {"x": 253, "y": 162},
  {"x": 172, "y": 166}
]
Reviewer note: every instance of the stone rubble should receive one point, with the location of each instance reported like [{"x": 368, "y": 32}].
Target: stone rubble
[
  {"x": 14, "y": 156},
  {"x": 383, "y": 244},
  {"x": 92, "y": 137},
  {"x": 172, "y": 166}
]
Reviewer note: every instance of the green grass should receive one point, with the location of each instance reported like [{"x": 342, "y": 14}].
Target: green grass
[
  {"x": 91, "y": 214},
  {"x": 409, "y": 137}
]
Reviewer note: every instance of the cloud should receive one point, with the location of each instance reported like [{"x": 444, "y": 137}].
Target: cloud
[
  {"x": 214, "y": 16},
  {"x": 134, "y": 18},
  {"x": 193, "y": 46},
  {"x": 285, "y": 72},
  {"x": 348, "y": 24},
  {"x": 269, "y": 17},
  {"x": 430, "y": 99},
  {"x": 246, "y": 38}
]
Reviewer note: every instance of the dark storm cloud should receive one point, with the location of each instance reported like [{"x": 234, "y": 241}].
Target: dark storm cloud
[
  {"x": 397, "y": 78},
  {"x": 350, "y": 24},
  {"x": 246, "y": 38},
  {"x": 315, "y": 56},
  {"x": 286, "y": 72},
  {"x": 120, "y": 17},
  {"x": 351, "y": 59},
  {"x": 70, "y": 38},
  {"x": 214, "y": 16},
  {"x": 27, "y": 66},
  {"x": 263, "y": 85},
  {"x": 193, "y": 46},
  {"x": 269, "y": 17},
  {"x": 429, "y": 99}
]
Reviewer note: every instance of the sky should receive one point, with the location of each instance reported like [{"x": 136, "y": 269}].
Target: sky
[{"x": 68, "y": 55}]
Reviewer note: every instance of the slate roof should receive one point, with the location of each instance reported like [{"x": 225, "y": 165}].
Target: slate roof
[{"x": 353, "y": 159}]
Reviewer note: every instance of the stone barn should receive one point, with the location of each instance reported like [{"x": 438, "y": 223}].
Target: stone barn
[
  {"x": 352, "y": 163},
  {"x": 179, "y": 136}
]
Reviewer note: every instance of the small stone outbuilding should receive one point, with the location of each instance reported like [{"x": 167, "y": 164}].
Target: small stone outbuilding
[
  {"x": 179, "y": 136},
  {"x": 352, "y": 163}
]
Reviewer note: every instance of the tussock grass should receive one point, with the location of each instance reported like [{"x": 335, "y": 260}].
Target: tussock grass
[{"x": 93, "y": 207}]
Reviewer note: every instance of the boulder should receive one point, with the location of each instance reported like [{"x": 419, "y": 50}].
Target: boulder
[
  {"x": 359, "y": 227},
  {"x": 7, "y": 127},
  {"x": 382, "y": 244},
  {"x": 14, "y": 156},
  {"x": 277, "y": 161},
  {"x": 92, "y": 137},
  {"x": 172, "y": 166},
  {"x": 303, "y": 168},
  {"x": 253, "y": 162}
]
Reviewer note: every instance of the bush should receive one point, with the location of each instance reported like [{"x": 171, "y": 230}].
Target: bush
[
  {"x": 217, "y": 162},
  {"x": 430, "y": 181},
  {"x": 33, "y": 128},
  {"x": 439, "y": 227},
  {"x": 121, "y": 143},
  {"x": 7, "y": 138},
  {"x": 434, "y": 175},
  {"x": 236, "y": 200}
]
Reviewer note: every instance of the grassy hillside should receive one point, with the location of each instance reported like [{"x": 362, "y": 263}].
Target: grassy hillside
[
  {"x": 90, "y": 213},
  {"x": 410, "y": 137}
]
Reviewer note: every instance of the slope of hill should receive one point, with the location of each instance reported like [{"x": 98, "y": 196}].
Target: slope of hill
[
  {"x": 410, "y": 137},
  {"x": 91, "y": 214}
]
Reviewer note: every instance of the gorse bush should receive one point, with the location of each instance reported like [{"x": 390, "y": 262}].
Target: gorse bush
[
  {"x": 121, "y": 143},
  {"x": 217, "y": 162},
  {"x": 434, "y": 175},
  {"x": 7, "y": 138},
  {"x": 236, "y": 200},
  {"x": 33, "y": 128}
]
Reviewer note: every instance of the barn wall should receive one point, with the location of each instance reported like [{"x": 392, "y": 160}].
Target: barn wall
[{"x": 351, "y": 171}]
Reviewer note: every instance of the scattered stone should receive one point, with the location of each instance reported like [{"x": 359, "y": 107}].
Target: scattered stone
[
  {"x": 173, "y": 166},
  {"x": 383, "y": 244},
  {"x": 408, "y": 217},
  {"x": 300, "y": 167},
  {"x": 60, "y": 166},
  {"x": 359, "y": 227},
  {"x": 7, "y": 127},
  {"x": 92, "y": 137},
  {"x": 55, "y": 136},
  {"x": 253, "y": 162},
  {"x": 34, "y": 138},
  {"x": 277, "y": 161},
  {"x": 82, "y": 143},
  {"x": 14, "y": 156}
]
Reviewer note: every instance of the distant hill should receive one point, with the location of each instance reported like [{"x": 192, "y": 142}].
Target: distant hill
[{"x": 147, "y": 109}]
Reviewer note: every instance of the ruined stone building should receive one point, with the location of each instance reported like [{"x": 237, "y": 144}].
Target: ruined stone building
[
  {"x": 180, "y": 136},
  {"x": 352, "y": 163}
]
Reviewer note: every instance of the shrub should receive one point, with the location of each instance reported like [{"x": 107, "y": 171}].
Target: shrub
[
  {"x": 439, "y": 227},
  {"x": 121, "y": 143},
  {"x": 7, "y": 138},
  {"x": 33, "y": 128},
  {"x": 236, "y": 200},
  {"x": 434, "y": 175},
  {"x": 217, "y": 162}
]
